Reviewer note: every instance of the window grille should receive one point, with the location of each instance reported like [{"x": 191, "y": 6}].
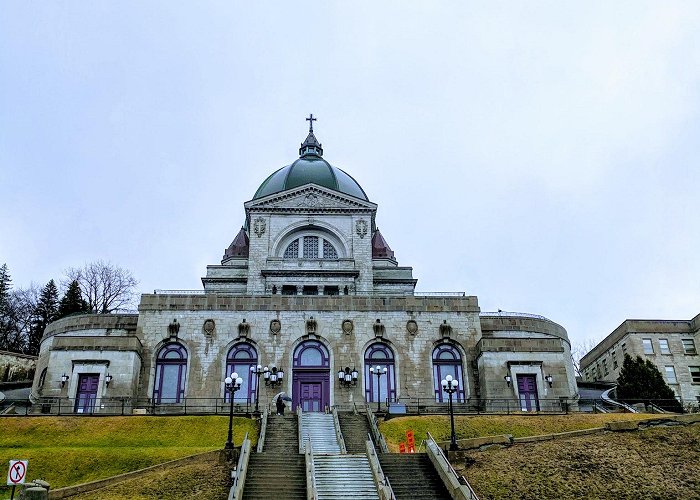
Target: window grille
[
  {"x": 311, "y": 247},
  {"x": 292, "y": 251},
  {"x": 328, "y": 251}
]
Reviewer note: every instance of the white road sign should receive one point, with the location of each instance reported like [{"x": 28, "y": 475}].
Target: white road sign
[{"x": 17, "y": 472}]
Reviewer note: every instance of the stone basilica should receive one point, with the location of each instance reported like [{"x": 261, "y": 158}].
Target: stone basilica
[{"x": 309, "y": 289}]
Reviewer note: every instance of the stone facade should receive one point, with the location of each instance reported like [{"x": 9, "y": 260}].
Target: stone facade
[
  {"x": 672, "y": 345},
  {"x": 309, "y": 269}
]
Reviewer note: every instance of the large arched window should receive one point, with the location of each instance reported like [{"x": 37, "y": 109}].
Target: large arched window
[
  {"x": 171, "y": 370},
  {"x": 311, "y": 354},
  {"x": 311, "y": 246},
  {"x": 380, "y": 355},
  {"x": 240, "y": 358},
  {"x": 447, "y": 360}
]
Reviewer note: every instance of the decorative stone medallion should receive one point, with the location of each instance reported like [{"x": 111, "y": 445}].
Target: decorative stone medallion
[
  {"x": 361, "y": 228},
  {"x": 275, "y": 326},
  {"x": 347, "y": 327},
  {"x": 310, "y": 200},
  {"x": 259, "y": 227},
  {"x": 311, "y": 326},
  {"x": 209, "y": 327},
  {"x": 412, "y": 327}
]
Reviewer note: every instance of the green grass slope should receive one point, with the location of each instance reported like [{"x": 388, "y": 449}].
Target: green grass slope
[
  {"x": 657, "y": 463},
  {"x": 482, "y": 425},
  {"x": 71, "y": 450}
]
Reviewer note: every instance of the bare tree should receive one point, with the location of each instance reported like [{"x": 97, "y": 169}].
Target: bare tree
[
  {"x": 106, "y": 288},
  {"x": 579, "y": 350}
]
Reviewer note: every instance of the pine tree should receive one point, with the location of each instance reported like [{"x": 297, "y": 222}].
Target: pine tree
[
  {"x": 8, "y": 324},
  {"x": 73, "y": 302},
  {"x": 45, "y": 312},
  {"x": 640, "y": 381}
]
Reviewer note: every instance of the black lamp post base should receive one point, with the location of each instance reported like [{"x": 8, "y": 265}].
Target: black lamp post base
[{"x": 454, "y": 447}]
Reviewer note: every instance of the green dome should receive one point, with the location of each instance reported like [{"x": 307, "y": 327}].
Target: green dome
[{"x": 310, "y": 168}]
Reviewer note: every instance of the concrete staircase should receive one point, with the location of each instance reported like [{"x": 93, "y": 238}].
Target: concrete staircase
[
  {"x": 412, "y": 476},
  {"x": 320, "y": 429},
  {"x": 279, "y": 471},
  {"x": 344, "y": 476},
  {"x": 282, "y": 434},
  {"x": 355, "y": 429}
]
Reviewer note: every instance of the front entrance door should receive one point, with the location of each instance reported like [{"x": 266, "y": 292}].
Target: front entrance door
[
  {"x": 527, "y": 388},
  {"x": 87, "y": 392},
  {"x": 311, "y": 398}
]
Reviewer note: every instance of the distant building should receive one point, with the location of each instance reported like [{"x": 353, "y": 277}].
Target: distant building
[
  {"x": 671, "y": 345},
  {"x": 308, "y": 285}
]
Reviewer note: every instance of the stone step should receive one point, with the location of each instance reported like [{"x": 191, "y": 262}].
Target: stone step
[
  {"x": 344, "y": 476},
  {"x": 412, "y": 476},
  {"x": 271, "y": 475}
]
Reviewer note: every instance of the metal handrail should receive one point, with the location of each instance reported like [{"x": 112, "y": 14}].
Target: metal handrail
[{"x": 459, "y": 477}]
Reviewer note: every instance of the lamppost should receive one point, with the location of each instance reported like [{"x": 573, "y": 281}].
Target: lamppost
[
  {"x": 233, "y": 383},
  {"x": 274, "y": 376},
  {"x": 347, "y": 377},
  {"x": 257, "y": 371},
  {"x": 378, "y": 371},
  {"x": 449, "y": 385}
]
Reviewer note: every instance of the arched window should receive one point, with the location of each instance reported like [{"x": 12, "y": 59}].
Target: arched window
[
  {"x": 447, "y": 360},
  {"x": 311, "y": 354},
  {"x": 240, "y": 358},
  {"x": 171, "y": 370},
  {"x": 380, "y": 355},
  {"x": 310, "y": 247}
]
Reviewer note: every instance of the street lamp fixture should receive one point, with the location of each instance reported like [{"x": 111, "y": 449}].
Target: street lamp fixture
[
  {"x": 257, "y": 371},
  {"x": 378, "y": 371},
  {"x": 274, "y": 376},
  {"x": 347, "y": 377},
  {"x": 64, "y": 379},
  {"x": 450, "y": 386},
  {"x": 108, "y": 379},
  {"x": 233, "y": 383},
  {"x": 508, "y": 379},
  {"x": 549, "y": 380}
]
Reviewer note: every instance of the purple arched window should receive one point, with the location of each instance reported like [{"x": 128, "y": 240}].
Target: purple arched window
[
  {"x": 311, "y": 354},
  {"x": 240, "y": 358},
  {"x": 380, "y": 355},
  {"x": 171, "y": 369},
  {"x": 447, "y": 360}
]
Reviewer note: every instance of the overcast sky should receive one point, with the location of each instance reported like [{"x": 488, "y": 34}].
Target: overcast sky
[{"x": 542, "y": 156}]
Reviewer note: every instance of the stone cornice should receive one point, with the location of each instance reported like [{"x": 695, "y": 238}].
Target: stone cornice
[{"x": 374, "y": 303}]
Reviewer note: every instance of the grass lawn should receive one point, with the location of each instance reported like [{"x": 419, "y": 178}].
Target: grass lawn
[
  {"x": 71, "y": 450},
  {"x": 205, "y": 480},
  {"x": 662, "y": 462},
  {"x": 481, "y": 425}
]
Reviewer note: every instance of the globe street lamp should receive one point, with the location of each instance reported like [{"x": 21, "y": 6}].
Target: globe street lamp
[
  {"x": 257, "y": 371},
  {"x": 378, "y": 371},
  {"x": 449, "y": 385},
  {"x": 233, "y": 383}
]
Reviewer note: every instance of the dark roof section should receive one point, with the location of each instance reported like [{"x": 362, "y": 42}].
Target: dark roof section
[
  {"x": 380, "y": 248},
  {"x": 239, "y": 247}
]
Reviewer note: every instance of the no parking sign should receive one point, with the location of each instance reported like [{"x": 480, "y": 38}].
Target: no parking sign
[{"x": 17, "y": 472}]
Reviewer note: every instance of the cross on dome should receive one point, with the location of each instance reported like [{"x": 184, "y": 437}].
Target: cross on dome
[{"x": 311, "y": 121}]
